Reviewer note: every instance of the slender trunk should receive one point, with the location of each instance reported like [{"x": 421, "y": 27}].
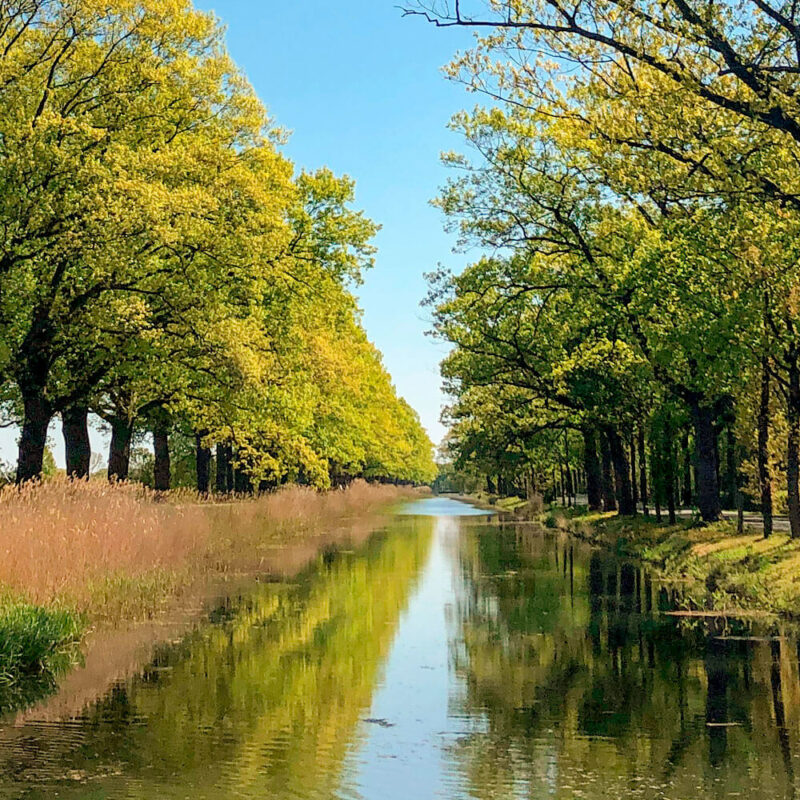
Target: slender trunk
[
  {"x": 222, "y": 469},
  {"x": 764, "y": 476},
  {"x": 622, "y": 472},
  {"x": 570, "y": 482},
  {"x": 730, "y": 463},
  {"x": 634, "y": 484},
  {"x": 229, "y": 482},
  {"x": 119, "y": 453},
  {"x": 161, "y": 469},
  {"x": 793, "y": 447},
  {"x": 609, "y": 496},
  {"x": 75, "y": 427},
  {"x": 706, "y": 462},
  {"x": 670, "y": 472},
  {"x": 594, "y": 475},
  {"x": 37, "y": 414},
  {"x": 203, "y": 462},
  {"x": 563, "y": 484},
  {"x": 643, "y": 470},
  {"x": 687, "y": 471}
]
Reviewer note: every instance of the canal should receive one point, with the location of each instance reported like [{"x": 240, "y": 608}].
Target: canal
[{"x": 450, "y": 656}]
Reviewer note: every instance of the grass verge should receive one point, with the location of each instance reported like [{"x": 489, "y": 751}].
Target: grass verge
[{"x": 715, "y": 568}]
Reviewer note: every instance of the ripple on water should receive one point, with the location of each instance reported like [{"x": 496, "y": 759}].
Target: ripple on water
[{"x": 446, "y": 658}]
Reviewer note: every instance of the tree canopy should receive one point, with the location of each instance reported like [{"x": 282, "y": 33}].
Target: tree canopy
[
  {"x": 632, "y": 183},
  {"x": 163, "y": 264}
]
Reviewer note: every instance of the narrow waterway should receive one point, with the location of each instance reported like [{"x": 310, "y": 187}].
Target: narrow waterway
[{"x": 451, "y": 656}]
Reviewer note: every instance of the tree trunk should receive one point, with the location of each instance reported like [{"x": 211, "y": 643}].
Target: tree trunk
[
  {"x": 203, "y": 461},
  {"x": 643, "y": 471},
  {"x": 706, "y": 462},
  {"x": 244, "y": 485},
  {"x": 161, "y": 470},
  {"x": 609, "y": 495},
  {"x": 594, "y": 475},
  {"x": 229, "y": 481},
  {"x": 764, "y": 476},
  {"x": 793, "y": 447},
  {"x": 730, "y": 464},
  {"x": 33, "y": 440},
  {"x": 530, "y": 485},
  {"x": 119, "y": 453},
  {"x": 634, "y": 484},
  {"x": 75, "y": 427},
  {"x": 718, "y": 462},
  {"x": 670, "y": 471},
  {"x": 622, "y": 472},
  {"x": 222, "y": 469},
  {"x": 570, "y": 482},
  {"x": 687, "y": 471}
]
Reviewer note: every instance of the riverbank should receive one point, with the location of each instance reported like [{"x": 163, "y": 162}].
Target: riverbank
[
  {"x": 712, "y": 567},
  {"x": 78, "y": 556}
]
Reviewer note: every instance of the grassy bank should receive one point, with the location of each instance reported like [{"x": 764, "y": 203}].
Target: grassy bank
[
  {"x": 78, "y": 554},
  {"x": 515, "y": 505},
  {"x": 714, "y": 567}
]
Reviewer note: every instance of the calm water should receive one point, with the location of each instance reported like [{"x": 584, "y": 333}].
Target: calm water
[{"x": 450, "y": 657}]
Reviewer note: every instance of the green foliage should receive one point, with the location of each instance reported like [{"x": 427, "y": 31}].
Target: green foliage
[
  {"x": 35, "y": 640},
  {"x": 643, "y": 230},
  {"x": 162, "y": 263},
  {"x": 49, "y": 468}
]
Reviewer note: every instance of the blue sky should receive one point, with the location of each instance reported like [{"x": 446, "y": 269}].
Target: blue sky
[{"x": 361, "y": 90}]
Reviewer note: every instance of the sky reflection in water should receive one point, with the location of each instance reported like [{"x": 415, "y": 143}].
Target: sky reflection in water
[{"x": 447, "y": 658}]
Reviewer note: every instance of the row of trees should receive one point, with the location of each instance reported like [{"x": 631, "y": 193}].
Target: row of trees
[
  {"x": 635, "y": 188},
  {"x": 164, "y": 267}
]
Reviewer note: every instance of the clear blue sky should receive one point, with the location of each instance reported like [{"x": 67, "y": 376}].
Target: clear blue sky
[{"x": 361, "y": 90}]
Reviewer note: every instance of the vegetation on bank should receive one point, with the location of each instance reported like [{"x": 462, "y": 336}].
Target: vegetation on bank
[
  {"x": 35, "y": 641},
  {"x": 78, "y": 554},
  {"x": 711, "y": 567}
]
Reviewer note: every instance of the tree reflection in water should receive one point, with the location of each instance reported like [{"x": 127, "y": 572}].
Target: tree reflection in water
[{"x": 588, "y": 691}]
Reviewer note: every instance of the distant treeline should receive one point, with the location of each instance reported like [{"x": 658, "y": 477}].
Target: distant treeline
[
  {"x": 634, "y": 327},
  {"x": 164, "y": 267}
]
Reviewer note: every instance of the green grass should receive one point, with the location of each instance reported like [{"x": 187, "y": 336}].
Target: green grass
[
  {"x": 714, "y": 566},
  {"x": 35, "y": 640}
]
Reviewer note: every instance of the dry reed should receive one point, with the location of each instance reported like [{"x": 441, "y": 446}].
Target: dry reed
[{"x": 61, "y": 540}]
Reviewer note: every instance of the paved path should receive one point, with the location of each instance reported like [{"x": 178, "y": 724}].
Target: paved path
[{"x": 751, "y": 519}]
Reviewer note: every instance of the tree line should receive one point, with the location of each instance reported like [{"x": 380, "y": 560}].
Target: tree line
[
  {"x": 633, "y": 185},
  {"x": 165, "y": 267}
]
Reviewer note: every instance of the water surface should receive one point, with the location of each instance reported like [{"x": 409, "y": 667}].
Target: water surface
[{"x": 452, "y": 656}]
